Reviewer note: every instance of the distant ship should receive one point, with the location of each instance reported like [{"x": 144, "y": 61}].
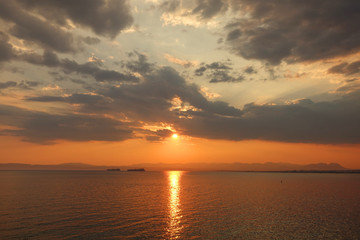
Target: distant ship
[
  {"x": 136, "y": 170},
  {"x": 113, "y": 169}
]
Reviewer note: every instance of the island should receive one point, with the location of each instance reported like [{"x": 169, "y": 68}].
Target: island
[{"x": 113, "y": 169}]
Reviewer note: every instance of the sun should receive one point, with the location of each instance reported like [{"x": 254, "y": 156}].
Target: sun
[{"x": 174, "y": 136}]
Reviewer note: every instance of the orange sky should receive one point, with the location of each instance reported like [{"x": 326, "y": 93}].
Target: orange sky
[{"x": 182, "y": 150}]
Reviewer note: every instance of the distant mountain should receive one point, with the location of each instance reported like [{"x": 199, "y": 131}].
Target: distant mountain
[{"x": 236, "y": 166}]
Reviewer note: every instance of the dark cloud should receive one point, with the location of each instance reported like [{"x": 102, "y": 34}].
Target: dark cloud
[
  {"x": 148, "y": 100},
  {"x": 104, "y": 17},
  {"x": 305, "y": 121},
  {"x": 218, "y": 66},
  {"x": 7, "y": 84},
  {"x": 249, "y": 70},
  {"x": 234, "y": 34},
  {"x": 140, "y": 65},
  {"x": 23, "y": 84},
  {"x": 92, "y": 69},
  {"x": 169, "y": 6},
  {"x": 222, "y": 76},
  {"x": 346, "y": 68},
  {"x": 79, "y": 98},
  {"x": 294, "y": 31},
  {"x": 219, "y": 72},
  {"x": 200, "y": 71},
  {"x": 45, "y": 23},
  {"x": 45, "y": 128},
  {"x": 164, "y": 96},
  {"x": 50, "y": 59},
  {"x": 91, "y": 40},
  {"x": 212, "y": 66},
  {"x": 6, "y": 49},
  {"x": 31, "y": 28},
  {"x": 159, "y": 135},
  {"x": 28, "y": 85},
  {"x": 209, "y": 8}
]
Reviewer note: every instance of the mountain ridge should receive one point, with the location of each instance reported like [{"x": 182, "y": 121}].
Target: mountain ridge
[{"x": 235, "y": 166}]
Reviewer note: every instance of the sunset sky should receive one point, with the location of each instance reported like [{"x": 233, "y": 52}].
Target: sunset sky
[{"x": 108, "y": 82}]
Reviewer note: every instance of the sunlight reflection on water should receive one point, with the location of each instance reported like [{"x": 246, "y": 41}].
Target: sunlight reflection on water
[{"x": 174, "y": 226}]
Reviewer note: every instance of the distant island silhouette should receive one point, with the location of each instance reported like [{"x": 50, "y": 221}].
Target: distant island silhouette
[{"x": 236, "y": 166}]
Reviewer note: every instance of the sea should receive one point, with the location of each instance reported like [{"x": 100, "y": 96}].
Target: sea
[{"x": 178, "y": 205}]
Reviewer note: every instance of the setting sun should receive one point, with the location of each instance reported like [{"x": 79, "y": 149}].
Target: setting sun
[{"x": 174, "y": 136}]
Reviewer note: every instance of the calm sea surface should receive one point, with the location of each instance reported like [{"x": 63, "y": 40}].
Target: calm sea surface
[{"x": 178, "y": 205}]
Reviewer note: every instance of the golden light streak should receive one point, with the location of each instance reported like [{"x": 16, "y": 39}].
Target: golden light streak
[{"x": 174, "y": 226}]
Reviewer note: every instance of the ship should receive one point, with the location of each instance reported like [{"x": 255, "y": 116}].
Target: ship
[
  {"x": 136, "y": 170},
  {"x": 113, "y": 169}
]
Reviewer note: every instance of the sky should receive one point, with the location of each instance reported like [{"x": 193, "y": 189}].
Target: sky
[{"x": 111, "y": 81}]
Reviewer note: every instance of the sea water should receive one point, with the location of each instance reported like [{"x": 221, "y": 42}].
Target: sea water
[{"x": 178, "y": 205}]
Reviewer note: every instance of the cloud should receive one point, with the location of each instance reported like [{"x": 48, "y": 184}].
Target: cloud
[
  {"x": 28, "y": 85},
  {"x": 305, "y": 121},
  {"x": 50, "y": 59},
  {"x": 23, "y": 84},
  {"x": 31, "y": 28},
  {"x": 249, "y": 70},
  {"x": 346, "y": 68},
  {"x": 79, "y": 98},
  {"x": 6, "y": 49},
  {"x": 105, "y": 18},
  {"x": 293, "y": 31},
  {"x": 7, "y": 84},
  {"x": 159, "y": 135},
  {"x": 141, "y": 65},
  {"x": 45, "y": 128},
  {"x": 151, "y": 101},
  {"x": 213, "y": 66},
  {"x": 49, "y": 23},
  {"x": 219, "y": 72},
  {"x": 209, "y": 8},
  {"x": 223, "y": 76},
  {"x": 169, "y": 6},
  {"x": 91, "y": 40}
]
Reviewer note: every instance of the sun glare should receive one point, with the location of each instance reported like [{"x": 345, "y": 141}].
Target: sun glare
[{"x": 174, "y": 136}]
